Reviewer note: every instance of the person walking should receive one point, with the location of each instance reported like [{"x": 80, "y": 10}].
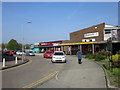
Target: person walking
[{"x": 79, "y": 54}]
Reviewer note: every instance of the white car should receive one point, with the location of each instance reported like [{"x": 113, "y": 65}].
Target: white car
[
  {"x": 19, "y": 52},
  {"x": 59, "y": 56}
]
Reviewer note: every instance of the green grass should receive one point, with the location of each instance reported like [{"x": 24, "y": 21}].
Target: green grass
[
  {"x": 105, "y": 60},
  {"x": 114, "y": 76}
]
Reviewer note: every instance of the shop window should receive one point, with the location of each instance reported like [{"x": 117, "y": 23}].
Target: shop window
[
  {"x": 90, "y": 40},
  {"x": 107, "y": 31}
]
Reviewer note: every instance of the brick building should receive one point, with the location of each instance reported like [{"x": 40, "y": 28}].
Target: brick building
[
  {"x": 88, "y": 40},
  {"x": 92, "y": 39}
]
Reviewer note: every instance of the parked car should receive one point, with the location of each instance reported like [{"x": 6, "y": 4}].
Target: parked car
[
  {"x": 20, "y": 52},
  {"x": 59, "y": 56},
  {"x": 30, "y": 53},
  {"x": 15, "y": 52},
  {"x": 48, "y": 54},
  {"x": 9, "y": 52}
]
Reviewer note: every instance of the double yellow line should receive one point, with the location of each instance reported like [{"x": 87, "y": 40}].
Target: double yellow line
[{"x": 41, "y": 80}]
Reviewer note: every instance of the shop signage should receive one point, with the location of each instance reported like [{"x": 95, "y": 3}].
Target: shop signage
[
  {"x": 36, "y": 43},
  {"x": 56, "y": 44},
  {"x": 32, "y": 46},
  {"x": 50, "y": 43},
  {"x": 43, "y": 44},
  {"x": 114, "y": 35},
  {"x": 91, "y": 34}
]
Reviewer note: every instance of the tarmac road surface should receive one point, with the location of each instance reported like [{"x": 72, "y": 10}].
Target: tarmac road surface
[{"x": 22, "y": 76}]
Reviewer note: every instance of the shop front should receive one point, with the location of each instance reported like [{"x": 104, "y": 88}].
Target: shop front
[
  {"x": 53, "y": 46},
  {"x": 72, "y": 48}
]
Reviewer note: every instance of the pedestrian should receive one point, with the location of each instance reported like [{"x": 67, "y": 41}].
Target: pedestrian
[{"x": 79, "y": 54}]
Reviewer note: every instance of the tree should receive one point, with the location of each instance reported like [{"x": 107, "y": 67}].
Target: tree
[
  {"x": 27, "y": 46},
  {"x": 13, "y": 45},
  {"x": 20, "y": 45}
]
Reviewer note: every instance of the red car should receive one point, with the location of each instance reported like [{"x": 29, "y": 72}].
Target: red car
[
  {"x": 48, "y": 54},
  {"x": 9, "y": 52}
]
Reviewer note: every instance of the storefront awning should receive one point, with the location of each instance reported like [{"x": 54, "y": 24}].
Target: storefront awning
[{"x": 76, "y": 43}]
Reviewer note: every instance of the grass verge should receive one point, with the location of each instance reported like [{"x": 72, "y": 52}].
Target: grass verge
[{"x": 113, "y": 74}]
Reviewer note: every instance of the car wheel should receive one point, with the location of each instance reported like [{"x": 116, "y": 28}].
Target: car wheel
[
  {"x": 52, "y": 61},
  {"x": 65, "y": 61}
]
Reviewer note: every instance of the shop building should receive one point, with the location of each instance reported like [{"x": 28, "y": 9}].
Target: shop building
[
  {"x": 92, "y": 39},
  {"x": 52, "y": 45},
  {"x": 35, "y": 48},
  {"x": 88, "y": 40}
]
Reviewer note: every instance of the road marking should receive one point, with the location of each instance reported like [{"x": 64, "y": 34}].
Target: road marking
[
  {"x": 16, "y": 66},
  {"x": 41, "y": 80},
  {"x": 56, "y": 76}
]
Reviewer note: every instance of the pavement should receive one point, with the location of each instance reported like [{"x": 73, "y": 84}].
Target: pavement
[
  {"x": 74, "y": 75},
  {"x": 10, "y": 62}
]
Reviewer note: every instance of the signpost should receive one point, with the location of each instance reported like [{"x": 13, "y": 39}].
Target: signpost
[{"x": 109, "y": 48}]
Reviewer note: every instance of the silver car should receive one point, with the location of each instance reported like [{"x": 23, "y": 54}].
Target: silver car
[{"x": 30, "y": 53}]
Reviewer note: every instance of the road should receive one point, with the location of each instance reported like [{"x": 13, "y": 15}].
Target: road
[
  {"x": 71, "y": 75},
  {"x": 36, "y": 69},
  {"x": 74, "y": 75}
]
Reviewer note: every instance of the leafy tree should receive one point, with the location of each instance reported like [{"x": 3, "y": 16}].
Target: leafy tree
[
  {"x": 20, "y": 45},
  {"x": 13, "y": 45},
  {"x": 27, "y": 46},
  {"x": 5, "y": 44}
]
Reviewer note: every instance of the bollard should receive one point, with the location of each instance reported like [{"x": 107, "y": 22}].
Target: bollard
[
  {"x": 3, "y": 62},
  {"x": 16, "y": 60}
]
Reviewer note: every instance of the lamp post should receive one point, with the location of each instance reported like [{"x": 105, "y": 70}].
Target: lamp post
[{"x": 23, "y": 43}]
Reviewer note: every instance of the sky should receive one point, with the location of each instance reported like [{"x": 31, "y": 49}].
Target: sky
[{"x": 53, "y": 21}]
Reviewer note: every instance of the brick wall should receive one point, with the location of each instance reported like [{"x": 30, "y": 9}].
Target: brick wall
[{"x": 77, "y": 36}]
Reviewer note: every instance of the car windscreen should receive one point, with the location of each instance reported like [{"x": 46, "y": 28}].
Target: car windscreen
[
  {"x": 30, "y": 52},
  {"x": 48, "y": 52},
  {"x": 59, "y": 53},
  {"x": 7, "y": 51}
]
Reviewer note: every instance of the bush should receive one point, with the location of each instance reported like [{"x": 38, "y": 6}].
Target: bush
[
  {"x": 118, "y": 52},
  {"x": 100, "y": 57},
  {"x": 104, "y": 53},
  {"x": 90, "y": 56},
  {"x": 115, "y": 57},
  {"x": 95, "y": 54}
]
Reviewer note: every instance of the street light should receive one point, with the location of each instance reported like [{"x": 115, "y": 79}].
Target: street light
[{"x": 23, "y": 42}]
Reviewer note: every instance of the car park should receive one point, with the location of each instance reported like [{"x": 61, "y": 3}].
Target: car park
[
  {"x": 48, "y": 54},
  {"x": 30, "y": 53},
  {"x": 59, "y": 56}
]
